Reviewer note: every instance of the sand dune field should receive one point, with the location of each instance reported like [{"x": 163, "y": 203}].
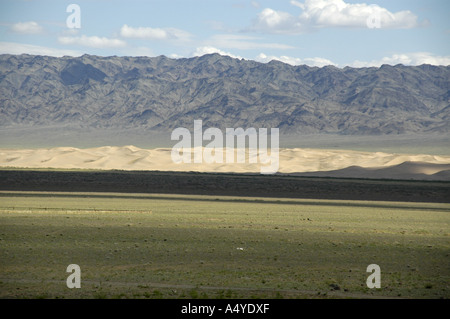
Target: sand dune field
[{"x": 318, "y": 162}]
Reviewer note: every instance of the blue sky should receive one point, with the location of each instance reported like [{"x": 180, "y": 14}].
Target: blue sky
[{"x": 313, "y": 32}]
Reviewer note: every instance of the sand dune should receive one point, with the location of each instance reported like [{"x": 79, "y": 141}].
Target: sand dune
[
  {"x": 406, "y": 170},
  {"x": 317, "y": 162}
]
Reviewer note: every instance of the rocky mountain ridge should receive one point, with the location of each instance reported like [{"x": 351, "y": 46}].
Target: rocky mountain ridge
[{"x": 161, "y": 94}]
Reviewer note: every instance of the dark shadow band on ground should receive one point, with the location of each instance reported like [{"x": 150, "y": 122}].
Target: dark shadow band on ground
[
  {"x": 212, "y": 199},
  {"x": 245, "y": 185}
]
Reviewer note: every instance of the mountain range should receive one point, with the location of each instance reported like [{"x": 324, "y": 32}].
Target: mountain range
[{"x": 159, "y": 93}]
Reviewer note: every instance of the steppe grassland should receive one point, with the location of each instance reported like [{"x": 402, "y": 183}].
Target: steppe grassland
[{"x": 176, "y": 246}]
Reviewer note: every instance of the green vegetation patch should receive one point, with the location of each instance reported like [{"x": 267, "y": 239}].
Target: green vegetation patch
[{"x": 180, "y": 246}]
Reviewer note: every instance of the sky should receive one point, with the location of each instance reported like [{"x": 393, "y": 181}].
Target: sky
[{"x": 312, "y": 32}]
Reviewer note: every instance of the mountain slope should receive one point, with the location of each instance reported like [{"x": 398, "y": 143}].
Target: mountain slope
[{"x": 162, "y": 94}]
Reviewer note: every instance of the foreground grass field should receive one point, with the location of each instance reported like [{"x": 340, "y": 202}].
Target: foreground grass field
[{"x": 185, "y": 246}]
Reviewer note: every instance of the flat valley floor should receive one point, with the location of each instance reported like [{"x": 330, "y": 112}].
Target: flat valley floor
[{"x": 213, "y": 243}]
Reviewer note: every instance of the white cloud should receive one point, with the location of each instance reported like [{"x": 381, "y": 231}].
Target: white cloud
[
  {"x": 320, "y": 62},
  {"x": 339, "y": 13},
  {"x": 29, "y": 27},
  {"x": 19, "y": 48},
  {"x": 332, "y": 13},
  {"x": 154, "y": 33},
  {"x": 175, "y": 56},
  {"x": 277, "y": 22},
  {"x": 298, "y": 4},
  {"x": 209, "y": 50},
  {"x": 255, "y": 4},
  {"x": 92, "y": 41},
  {"x": 415, "y": 58}
]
